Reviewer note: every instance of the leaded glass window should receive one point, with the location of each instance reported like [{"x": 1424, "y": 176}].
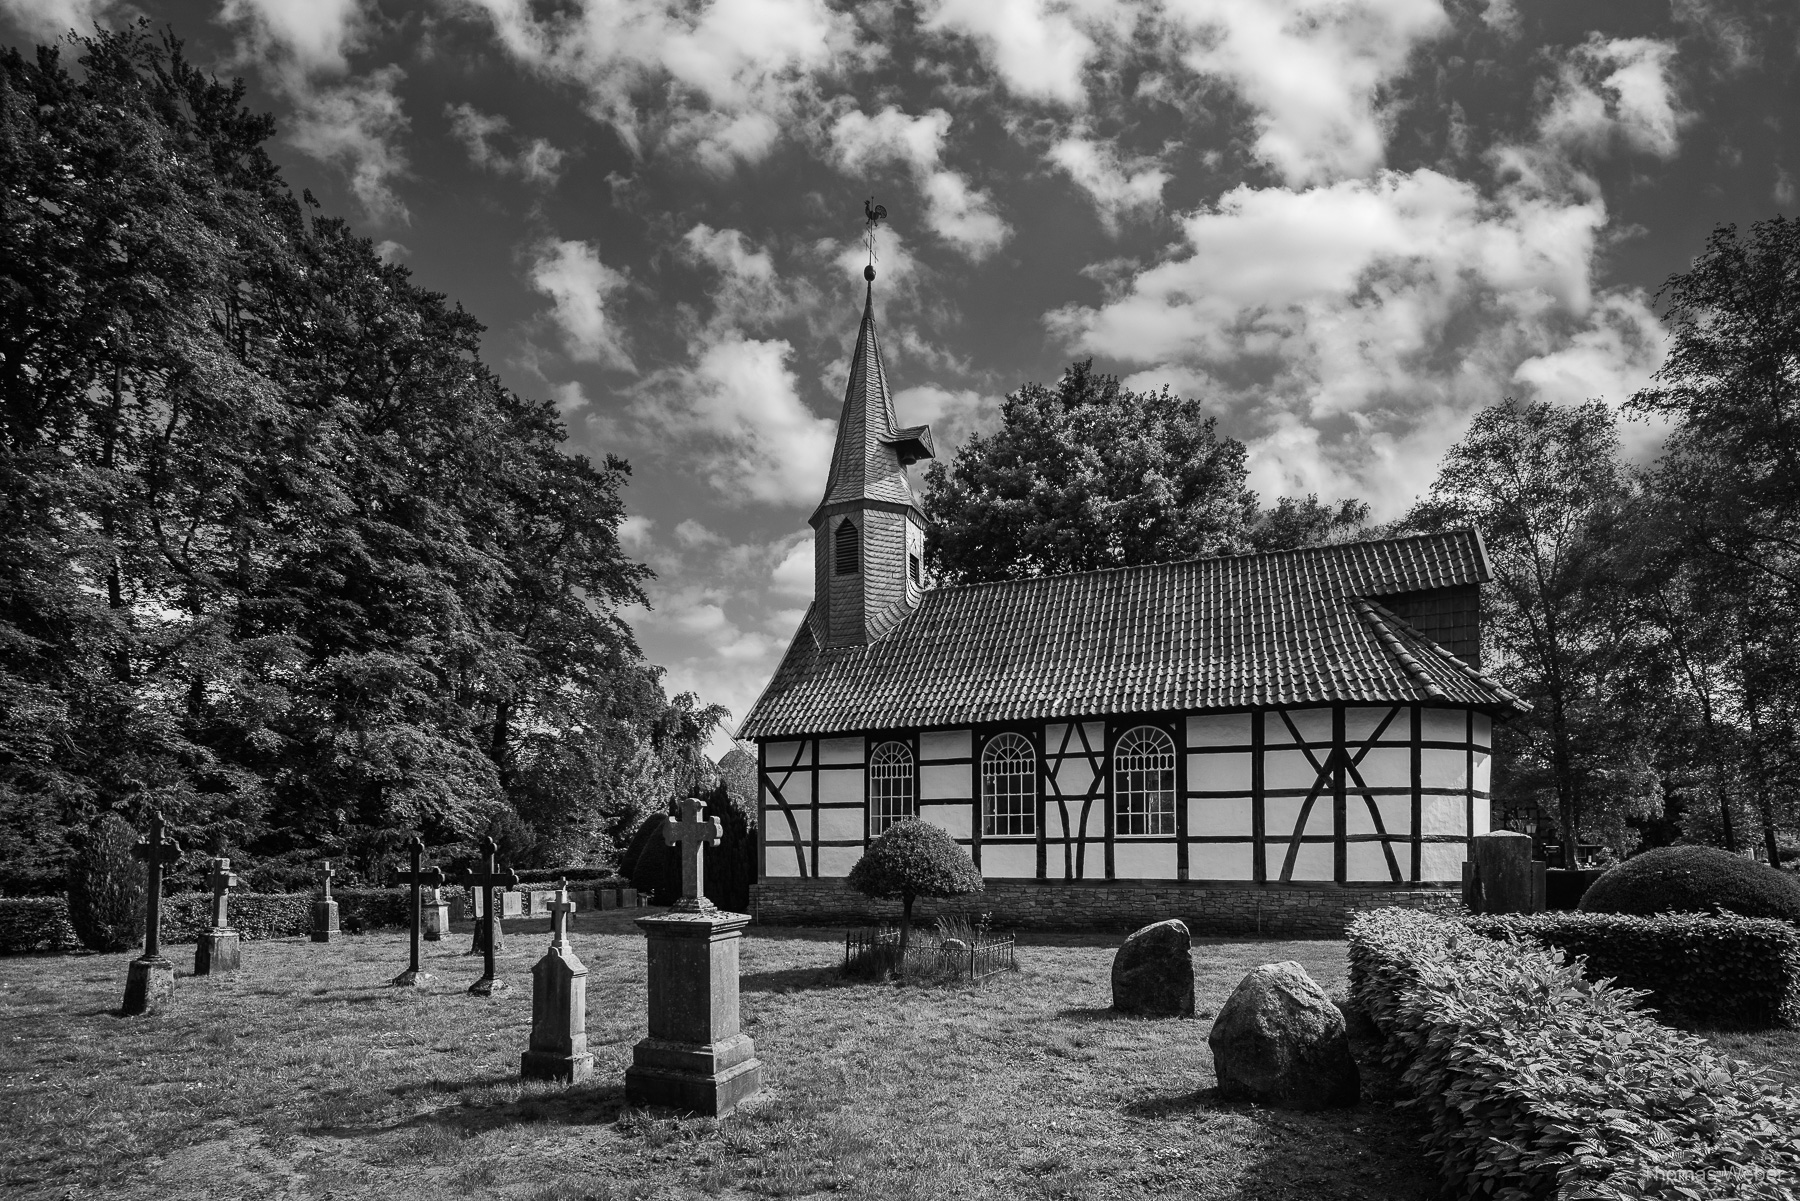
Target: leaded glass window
[
  {"x": 1008, "y": 786},
  {"x": 1144, "y": 782},
  {"x": 890, "y": 787}
]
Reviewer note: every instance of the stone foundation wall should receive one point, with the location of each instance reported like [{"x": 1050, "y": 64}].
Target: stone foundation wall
[{"x": 1113, "y": 906}]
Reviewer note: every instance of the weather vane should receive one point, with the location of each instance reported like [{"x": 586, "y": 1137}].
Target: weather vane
[{"x": 876, "y": 214}]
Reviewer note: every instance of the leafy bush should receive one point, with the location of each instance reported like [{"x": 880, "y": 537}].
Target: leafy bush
[
  {"x": 1713, "y": 968},
  {"x": 655, "y": 866},
  {"x": 592, "y": 877},
  {"x": 1537, "y": 1082},
  {"x": 35, "y": 924},
  {"x": 1694, "y": 880},
  {"x": 254, "y": 915},
  {"x": 106, "y": 887},
  {"x": 913, "y": 859}
]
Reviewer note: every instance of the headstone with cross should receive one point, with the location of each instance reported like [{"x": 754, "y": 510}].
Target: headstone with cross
[
  {"x": 695, "y": 1058},
  {"x": 558, "y": 1049},
  {"x": 437, "y": 916},
  {"x": 418, "y": 876},
  {"x": 693, "y": 832},
  {"x": 150, "y": 980},
  {"x": 488, "y": 932},
  {"x": 325, "y": 910},
  {"x": 219, "y": 949}
]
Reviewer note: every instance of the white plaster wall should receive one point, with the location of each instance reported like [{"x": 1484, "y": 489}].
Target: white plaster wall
[
  {"x": 837, "y": 861},
  {"x": 1440, "y": 768},
  {"x": 1142, "y": 861},
  {"x": 999, "y": 862},
  {"x": 1221, "y": 861},
  {"x": 1483, "y": 815},
  {"x": 836, "y": 825},
  {"x": 1396, "y": 815},
  {"x": 946, "y": 744},
  {"x": 778, "y": 824},
  {"x": 1483, "y": 768},
  {"x": 1361, "y": 722},
  {"x": 1386, "y": 767},
  {"x": 1219, "y": 729},
  {"x": 946, "y": 781},
  {"x": 1443, "y": 815},
  {"x": 1445, "y": 725},
  {"x": 1218, "y": 816},
  {"x": 1441, "y": 861},
  {"x": 779, "y": 861},
  {"x": 1365, "y": 861},
  {"x": 842, "y": 785},
  {"x": 1281, "y": 812},
  {"x": 781, "y": 755},
  {"x": 1218, "y": 771},
  {"x": 1314, "y": 726},
  {"x": 1484, "y": 730},
  {"x": 952, "y": 818},
  {"x": 840, "y": 750},
  {"x": 1284, "y": 770},
  {"x": 1316, "y": 861}
]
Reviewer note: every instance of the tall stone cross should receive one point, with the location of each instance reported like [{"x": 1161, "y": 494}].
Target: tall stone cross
[
  {"x": 428, "y": 877},
  {"x": 560, "y": 908},
  {"x": 221, "y": 880},
  {"x": 325, "y": 875},
  {"x": 694, "y": 831},
  {"x": 324, "y": 909},
  {"x": 150, "y": 980},
  {"x": 485, "y": 879}
]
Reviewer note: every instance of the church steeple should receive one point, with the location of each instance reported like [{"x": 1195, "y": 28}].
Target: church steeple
[{"x": 868, "y": 531}]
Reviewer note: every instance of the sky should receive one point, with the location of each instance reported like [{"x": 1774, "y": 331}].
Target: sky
[{"x": 1347, "y": 224}]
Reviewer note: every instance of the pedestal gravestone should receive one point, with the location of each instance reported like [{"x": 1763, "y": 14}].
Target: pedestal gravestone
[
  {"x": 219, "y": 949},
  {"x": 487, "y": 934},
  {"x": 478, "y": 909},
  {"x": 695, "y": 1058},
  {"x": 325, "y": 910},
  {"x": 412, "y": 977},
  {"x": 558, "y": 1004},
  {"x": 437, "y": 916},
  {"x": 150, "y": 980}
]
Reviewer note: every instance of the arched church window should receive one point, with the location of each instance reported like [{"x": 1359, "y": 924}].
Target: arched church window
[
  {"x": 1144, "y": 782},
  {"x": 1008, "y": 786},
  {"x": 890, "y": 786},
  {"x": 848, "y": 546}
]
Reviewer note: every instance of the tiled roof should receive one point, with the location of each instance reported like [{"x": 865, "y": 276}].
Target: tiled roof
[
  {"x": 1284, "y": 628},
  {"x": 865, "y": 465}
]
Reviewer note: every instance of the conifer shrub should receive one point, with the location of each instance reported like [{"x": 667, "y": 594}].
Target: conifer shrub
[
  {"x": 1694, "y": 879},
  {"x": 913, "y": 859},
  {"x": 1537, "y": 1082},
  {"x": 106, "y": 887},
  {"x": 1717, "y": 969}
]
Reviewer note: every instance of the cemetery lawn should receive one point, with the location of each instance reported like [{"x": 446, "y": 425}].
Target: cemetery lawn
[{"x": 304, "y": 1076}]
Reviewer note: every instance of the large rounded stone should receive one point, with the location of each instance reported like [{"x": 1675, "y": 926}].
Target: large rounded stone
[
  {"x": 1152, "y": 973},
  {"x": 1279, "y": 1040}
]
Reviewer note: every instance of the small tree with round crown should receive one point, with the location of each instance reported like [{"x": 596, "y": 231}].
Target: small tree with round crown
[{"x": 913, "y": 859}]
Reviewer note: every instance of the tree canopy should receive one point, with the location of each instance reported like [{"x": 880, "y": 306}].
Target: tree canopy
[{"x": 278, "y": 553}]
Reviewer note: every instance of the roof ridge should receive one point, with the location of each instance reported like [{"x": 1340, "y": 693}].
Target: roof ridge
[
  {"x": 1391, "y": 643},
  {"x": 1254, "y": 554}
]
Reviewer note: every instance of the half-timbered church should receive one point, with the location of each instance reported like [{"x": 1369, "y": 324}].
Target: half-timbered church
[{"x": 1260, "y": 741}]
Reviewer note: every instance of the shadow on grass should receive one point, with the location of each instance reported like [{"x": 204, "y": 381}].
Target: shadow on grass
[
  {"x": 794, "y": 979},
  {"x": 587, "y": 1104}
]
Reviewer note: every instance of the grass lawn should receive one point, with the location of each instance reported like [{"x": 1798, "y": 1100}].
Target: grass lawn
[{"x": 305, "y": 1076}]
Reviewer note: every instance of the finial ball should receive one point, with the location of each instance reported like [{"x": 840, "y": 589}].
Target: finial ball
[{"x": 869, "y": 273}]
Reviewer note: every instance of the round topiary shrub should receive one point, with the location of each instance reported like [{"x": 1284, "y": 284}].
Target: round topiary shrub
[
  {"x": 913, "y": 859},
  {"x": 1694, "y": 880},
  {"x": 106, "y": 887}
]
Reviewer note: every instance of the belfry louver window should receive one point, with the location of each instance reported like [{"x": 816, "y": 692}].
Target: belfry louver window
[{"x": 847, "y": 547}]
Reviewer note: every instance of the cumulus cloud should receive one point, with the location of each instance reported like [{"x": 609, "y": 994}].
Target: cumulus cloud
[
  {"x": 1616, "y": 92},
  {"x": 579, "y": 286},
  {"x": 1311, "y": 70},
  {"x": 50, "y": 19},
  {"x": 729, "y": 74},
  {"x": 952, "y": 413},
  {"x": 1117, "y": 188},
  {"x": 748, "y": 291},
  {"x": 1037, "y": 48},
  {"x": 537, "y": 161},
  {"x": 355, "y": 123},
  {"x": 962, "y": 215}
]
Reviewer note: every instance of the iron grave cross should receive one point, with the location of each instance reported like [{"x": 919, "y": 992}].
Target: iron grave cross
[
  {"x": 156, "y": 851},
  {"x": 485, "y": 878},
  {"x": 221, "y": 880},
  {"x": 694, "y": 831},
  {"x": 434, "y": 877}
]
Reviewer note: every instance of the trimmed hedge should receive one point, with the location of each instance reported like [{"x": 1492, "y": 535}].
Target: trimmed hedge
[
  {"x": 1537, "y": 1082},
  {"x": 1697, "y": 968},
  {"x": 30, "y": 924},
  {"x": 1694, "y": 879},
  {"x": 258, "y": 915}
]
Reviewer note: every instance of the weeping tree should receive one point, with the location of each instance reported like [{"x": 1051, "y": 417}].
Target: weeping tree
[{"x": 914, "y": 859}]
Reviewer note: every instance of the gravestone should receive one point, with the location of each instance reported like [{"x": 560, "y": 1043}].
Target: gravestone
[
  {"x": 487, "y": 933},
  {"x": 437, "y": 916},
  {"x": 628, "y": 899},
  {"x": 412, "y": 977},
  {"x": 609, "y": 898},
  {"x": 558, "y": 1049},
  {"x": 695, "y": 1057},
  {"x": 150, "y": 980},
  {"x": 1504, "y": 876},
  {"x": 219, "y": 949},
  {"x": 512, "y": 904},
  {"x": 325, "y": 910}
]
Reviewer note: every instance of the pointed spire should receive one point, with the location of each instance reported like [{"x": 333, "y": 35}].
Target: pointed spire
[{"x": 869, "y": 458}]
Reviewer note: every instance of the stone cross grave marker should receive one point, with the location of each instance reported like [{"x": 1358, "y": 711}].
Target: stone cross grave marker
[
  {"x": 412, "y": 977},
  {"x": 150, "y": 980},
  {"x": 694, "y": 831},
  {"x": 695, "y": 1056},
  {"x": 488, "y": 933},
  {"x": 325, "y": 910},
  {"x": 219, "y": 949},
  {"x": 558, "y": 1048}
]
